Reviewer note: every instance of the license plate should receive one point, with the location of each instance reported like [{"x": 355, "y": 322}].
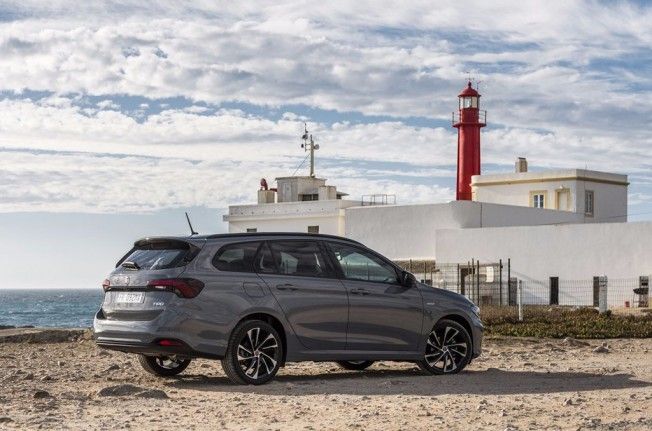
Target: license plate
[{"x": 130, "y": 297}]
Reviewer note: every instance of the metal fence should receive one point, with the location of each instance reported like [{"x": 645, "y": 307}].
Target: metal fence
[{"x": 496, "y": 284}]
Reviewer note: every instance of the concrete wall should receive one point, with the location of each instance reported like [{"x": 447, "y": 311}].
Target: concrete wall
[
  {"x": 290, "y": 216},
  {"x": 574, "y": 253},
  {"x": 408, "y": 231},
  {"x": 610, "y": 191}
]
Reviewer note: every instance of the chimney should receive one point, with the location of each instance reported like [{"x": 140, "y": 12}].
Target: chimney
[{"x": 521, "y": 165}]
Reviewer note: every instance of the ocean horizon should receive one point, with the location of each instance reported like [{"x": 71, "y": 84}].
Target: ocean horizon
[{"x": 63, "y": 308}]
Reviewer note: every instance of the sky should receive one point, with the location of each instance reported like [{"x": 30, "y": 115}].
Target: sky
[{"x": 116, "y": 118}]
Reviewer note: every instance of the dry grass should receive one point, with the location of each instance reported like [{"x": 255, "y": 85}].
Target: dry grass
[{"x": 559, "y": 322}]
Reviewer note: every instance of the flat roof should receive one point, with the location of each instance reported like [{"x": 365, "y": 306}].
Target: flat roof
[{"x": 552, "y": 175}]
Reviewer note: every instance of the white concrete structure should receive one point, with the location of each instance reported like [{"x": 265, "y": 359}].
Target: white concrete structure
[
  {"x": 299, "y": 204},
  {"x": 599, "y": 196},
  {"x": 574, "y": 254},
  {"x": 410, "y": 231},
  {"x": 310, "y": 216}
]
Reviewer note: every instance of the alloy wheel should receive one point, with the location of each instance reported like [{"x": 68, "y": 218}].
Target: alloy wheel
[
  {"x": 258, "y": 353},
  {"x": 446, "y": 349}
]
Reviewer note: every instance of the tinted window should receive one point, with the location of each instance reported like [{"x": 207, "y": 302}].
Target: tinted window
[
  {"x": 236, "y": 257},
  {"x": 358, "y": 264},
  {"x": 299, "y": 258},
  {"x": 264, "y": 262},
  {"x": 156, "y": 259}
]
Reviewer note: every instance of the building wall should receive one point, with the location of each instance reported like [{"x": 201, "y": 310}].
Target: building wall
[
  {"x": 610, "y": 191},
  {"x": 409, "y": 231},
  {"x": 290, "y": 216},
  {"x": 574, "y": 253}
]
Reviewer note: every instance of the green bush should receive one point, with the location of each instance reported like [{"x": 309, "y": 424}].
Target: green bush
[{"x": 560, "y": 322}]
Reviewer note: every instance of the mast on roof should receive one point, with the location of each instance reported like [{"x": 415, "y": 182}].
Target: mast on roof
[{"x": 309, "y": 145}]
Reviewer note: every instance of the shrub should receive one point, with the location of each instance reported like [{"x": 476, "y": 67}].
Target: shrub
[{"x": 559, "y": 322}]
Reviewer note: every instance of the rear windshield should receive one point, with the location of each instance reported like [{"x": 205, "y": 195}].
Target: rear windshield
[
  {"x": 157, "y": 259},
  {"x": 157, "y": 256}
]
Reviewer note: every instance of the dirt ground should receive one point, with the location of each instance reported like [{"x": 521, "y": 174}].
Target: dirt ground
[{"x": 518, "y": 384}]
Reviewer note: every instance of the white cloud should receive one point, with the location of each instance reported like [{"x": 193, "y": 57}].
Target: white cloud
[{"x": 565, "y": 83}]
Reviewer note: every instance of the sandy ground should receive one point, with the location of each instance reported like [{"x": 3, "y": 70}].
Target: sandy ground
[{"x": 516, "y": 385}]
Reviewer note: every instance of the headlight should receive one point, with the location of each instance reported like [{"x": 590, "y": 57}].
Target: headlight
[{"x": 476, "y": 310}]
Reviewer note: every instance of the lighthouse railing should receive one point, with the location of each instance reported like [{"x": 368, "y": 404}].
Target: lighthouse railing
[{"x": 456, "y": 117}]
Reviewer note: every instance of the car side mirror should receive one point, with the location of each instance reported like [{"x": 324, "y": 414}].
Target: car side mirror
[{"x": 407, "y": 279}]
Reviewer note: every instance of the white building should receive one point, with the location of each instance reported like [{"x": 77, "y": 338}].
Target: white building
[
  {"x": 599, "y": 196},
  {"x": 298, "y": 204}
]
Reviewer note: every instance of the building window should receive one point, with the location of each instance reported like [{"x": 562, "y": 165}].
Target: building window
[
  {"x": 252, "y": 230},
  {"x": 539, "y": 200},
  {"x": 309, "y": 197},
  {"x": 589, "y": 203},
  {"x": 313, "y": 229}
]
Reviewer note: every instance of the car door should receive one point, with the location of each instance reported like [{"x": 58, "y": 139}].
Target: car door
[
  {"x": 306, "y": 287},
  {"x": 383, "y": 314}
]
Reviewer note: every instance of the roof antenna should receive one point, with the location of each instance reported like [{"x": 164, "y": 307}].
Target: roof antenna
[
  {"x": 309, "y": 145},
  {"x": 192, "y": 231}
]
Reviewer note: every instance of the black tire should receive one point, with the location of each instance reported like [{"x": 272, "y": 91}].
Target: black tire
[
  {"x": 263, "y": 343},
  {"x": 165, "y": 366},
  {"x": 355, "y": 365},
  {"x": 449, "y": 349}
]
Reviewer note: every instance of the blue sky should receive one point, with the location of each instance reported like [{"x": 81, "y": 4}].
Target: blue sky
[{"x": 115, "y": 118}]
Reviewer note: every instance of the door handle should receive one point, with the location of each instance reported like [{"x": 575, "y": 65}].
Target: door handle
[
  {"x": 360, "y": 291},
  {"x": 286, "y": 286}
]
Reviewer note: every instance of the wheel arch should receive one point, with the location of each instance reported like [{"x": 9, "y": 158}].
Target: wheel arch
[{"x": 276, "y": 324}]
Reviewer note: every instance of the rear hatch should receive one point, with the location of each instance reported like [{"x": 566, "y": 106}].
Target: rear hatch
[{"x": 148, "y": 278}]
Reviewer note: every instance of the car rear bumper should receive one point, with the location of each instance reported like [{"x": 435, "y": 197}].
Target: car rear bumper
[
  {"x": 153, "y": 349},
  {"x": 144, "y": 336}
]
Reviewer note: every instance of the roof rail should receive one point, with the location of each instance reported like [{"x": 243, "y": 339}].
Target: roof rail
[{"x": 266, "y": 234}]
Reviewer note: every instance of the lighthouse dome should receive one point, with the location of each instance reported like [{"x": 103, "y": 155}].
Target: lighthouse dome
[{"x": 469, "y": 92}]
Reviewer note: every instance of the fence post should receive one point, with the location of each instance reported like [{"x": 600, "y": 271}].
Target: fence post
[
  {"x": 602, "y": 294},
  {"x": 477, "y": 277},
  {"x": 500, "y": 282},
  {"x": 519, "y": 298}
]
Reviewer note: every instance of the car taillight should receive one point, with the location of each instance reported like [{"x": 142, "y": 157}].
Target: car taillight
[
  {"x": 183, "y": 287},
  {"x": 106, "y": 284}
]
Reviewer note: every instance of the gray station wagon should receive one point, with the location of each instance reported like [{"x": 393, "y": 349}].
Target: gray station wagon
[{"x": 257, "y": 301}]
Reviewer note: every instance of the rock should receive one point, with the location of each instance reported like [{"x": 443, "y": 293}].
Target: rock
[
  {"x": 61, "y": 363},
  {"x": 568, "y": 402},
  {"x": 575, "y": 343},
  {"x": 28, "y": 376},
  {"x": 113, "y": 367},
  {"x": 39, "y": 395},
  {"x": 153, "y": 393},
  {"x": 127, "y": 390},
  {"x": 120, "y": 390},
  {"x": 5, "y": 420},
  {"x": 103, "y": 353},
  {"x": 604, "y": 348},
  {"x": 39, "y": 335},
  {"x": 46, "y": 378}
]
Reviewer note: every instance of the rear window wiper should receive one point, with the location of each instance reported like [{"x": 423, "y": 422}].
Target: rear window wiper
[{"x": 130, "y": 265}]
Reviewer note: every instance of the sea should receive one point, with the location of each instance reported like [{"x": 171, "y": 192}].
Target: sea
[{"x": 69, "y": 308}]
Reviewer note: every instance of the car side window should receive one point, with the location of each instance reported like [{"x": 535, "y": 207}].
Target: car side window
[
  {"x": 237, "y": 257},
  {"x": 264, "y": 262},
  {"x": 303, "y": 258},
  {"x": 358, "y": 264}
]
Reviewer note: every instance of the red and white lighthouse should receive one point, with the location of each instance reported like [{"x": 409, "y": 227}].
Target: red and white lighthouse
[{"x": 468, "y": 120}]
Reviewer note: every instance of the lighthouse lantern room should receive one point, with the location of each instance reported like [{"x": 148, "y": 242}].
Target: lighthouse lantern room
[{"x": 468, "y": 120}]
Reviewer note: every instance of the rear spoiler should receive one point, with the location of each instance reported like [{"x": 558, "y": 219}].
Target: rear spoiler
[{"x": 160, "y": 243}]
